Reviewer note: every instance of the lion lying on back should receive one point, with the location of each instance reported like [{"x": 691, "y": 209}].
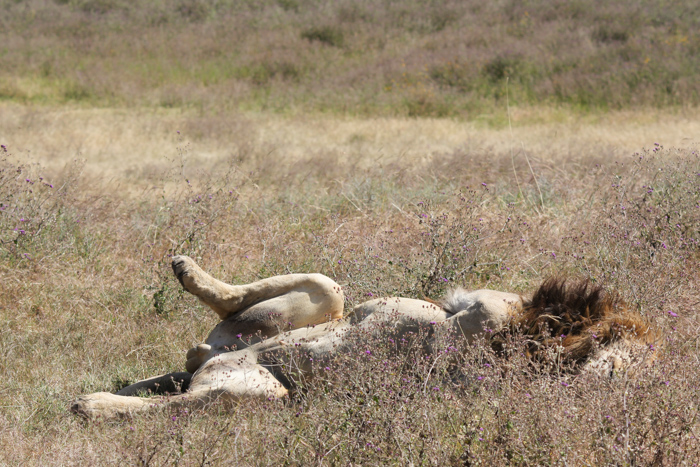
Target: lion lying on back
[{"x": 588, "y": 328}]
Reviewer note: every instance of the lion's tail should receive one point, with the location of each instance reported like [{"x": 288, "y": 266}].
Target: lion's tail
[{"x": 454, "y": 301}]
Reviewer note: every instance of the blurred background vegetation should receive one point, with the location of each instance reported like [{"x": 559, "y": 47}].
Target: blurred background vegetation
[{"x": 448, "y": 58}]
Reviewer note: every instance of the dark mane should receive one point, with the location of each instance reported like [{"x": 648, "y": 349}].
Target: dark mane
[{"x": 577, "y": 316}]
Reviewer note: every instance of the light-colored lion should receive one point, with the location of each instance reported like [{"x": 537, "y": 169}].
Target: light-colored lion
[{"x": 263, "y": 321}]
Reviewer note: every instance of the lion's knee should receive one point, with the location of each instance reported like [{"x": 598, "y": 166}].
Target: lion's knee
[{"x": 196, "y": 356}]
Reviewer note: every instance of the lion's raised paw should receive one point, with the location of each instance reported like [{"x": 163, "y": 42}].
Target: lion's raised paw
[{"x": 183, "y": 266}]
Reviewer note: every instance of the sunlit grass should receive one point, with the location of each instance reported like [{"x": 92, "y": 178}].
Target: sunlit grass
[
  {"x": 89, "y": 301},
  {"x": 370, "y": 141},
  {"x": 446, "y": 59}
]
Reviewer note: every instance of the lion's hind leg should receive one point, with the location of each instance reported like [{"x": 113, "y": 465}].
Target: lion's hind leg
[
  {"x": 126, "y": 401},
  {"x": 298, "y": 299},
  {"x": 227, "y": 378},
  {"x": 172, "y": 383},
  {"x": 223, "y": 298},
  {"x": 108, "y": 405}
]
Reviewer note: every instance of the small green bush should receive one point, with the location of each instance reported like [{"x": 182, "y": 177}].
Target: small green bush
[{"x": 329, "y": 35}]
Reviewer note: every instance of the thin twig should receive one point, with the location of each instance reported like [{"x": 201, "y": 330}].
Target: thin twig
[{"x": 512, "y": 156}]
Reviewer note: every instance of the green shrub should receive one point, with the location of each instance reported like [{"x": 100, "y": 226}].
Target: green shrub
[{"x": 329, "y": 35}]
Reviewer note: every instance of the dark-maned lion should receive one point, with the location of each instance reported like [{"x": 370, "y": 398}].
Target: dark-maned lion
[{"x": 588, "y": 329}]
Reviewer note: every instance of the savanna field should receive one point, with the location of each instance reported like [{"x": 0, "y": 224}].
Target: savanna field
[{"x": 400, "y": 148}]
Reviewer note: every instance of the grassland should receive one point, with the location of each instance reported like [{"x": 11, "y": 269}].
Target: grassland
[
  {"x": 367, "y": 58},
  {"x": 271, "y": 137}
]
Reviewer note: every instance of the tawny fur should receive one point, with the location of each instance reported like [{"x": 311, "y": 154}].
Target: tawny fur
[{"x": 591, "y": 330}]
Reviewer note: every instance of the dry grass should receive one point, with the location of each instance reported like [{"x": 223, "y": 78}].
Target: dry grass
[
  {"x": 136, "y": 143},
  {"x": 280, "y": 136},
  {"x": 383, "y": 207}
]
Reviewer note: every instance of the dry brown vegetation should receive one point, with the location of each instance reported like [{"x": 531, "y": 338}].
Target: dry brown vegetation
[
  {"x": 121, "y": 149},
  {"x": 89, "y": 303}
]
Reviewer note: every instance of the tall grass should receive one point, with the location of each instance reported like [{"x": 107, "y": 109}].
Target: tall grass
[
  {"x": 89, "y": 304},
  {"x": 375, "y": 57},
  {"x": 87, "y": 298}
]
